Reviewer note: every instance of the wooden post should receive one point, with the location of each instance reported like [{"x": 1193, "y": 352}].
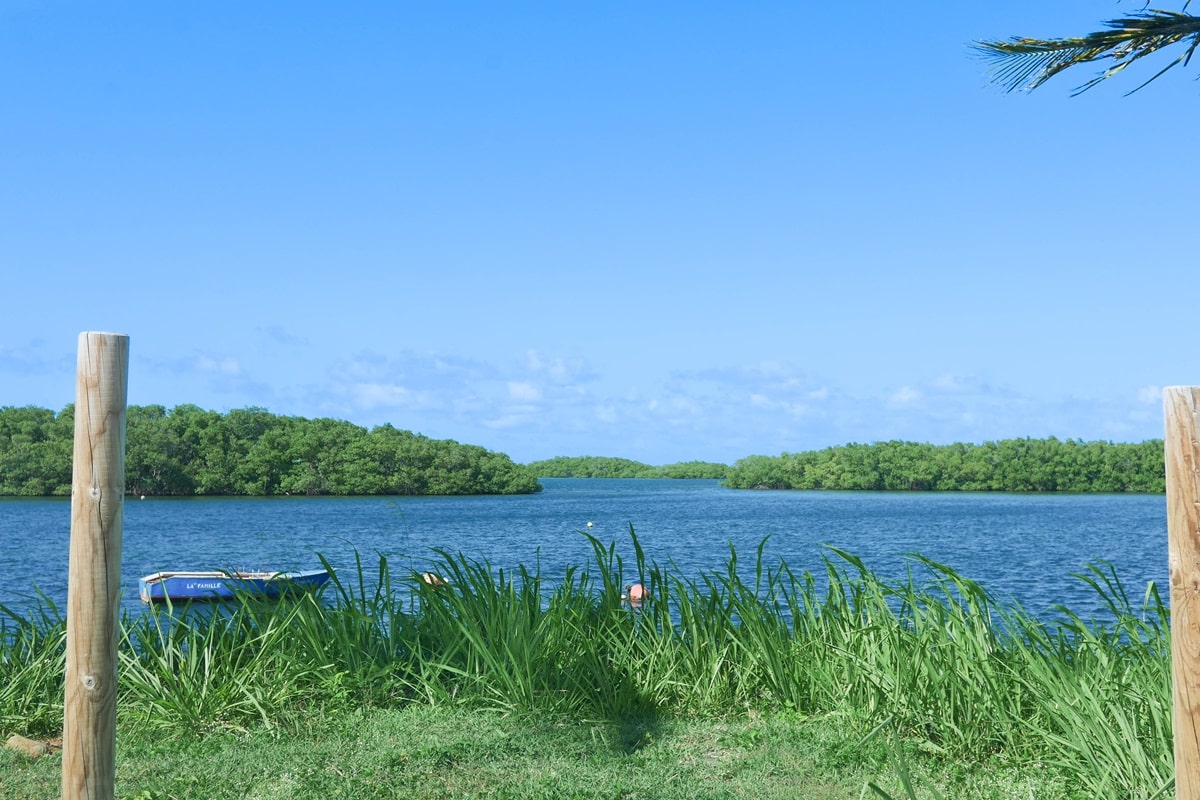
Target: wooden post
[
  {"x": 1181, "y": 412},
  {"x": 93, "y": 601}
]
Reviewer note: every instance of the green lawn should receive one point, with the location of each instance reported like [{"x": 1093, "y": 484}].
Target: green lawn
[{"x": 444, "y": 752}]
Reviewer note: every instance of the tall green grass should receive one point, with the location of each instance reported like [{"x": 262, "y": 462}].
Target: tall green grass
[
  {"x": 33, "y": 660},
  {"x": 930, "y": 658}
]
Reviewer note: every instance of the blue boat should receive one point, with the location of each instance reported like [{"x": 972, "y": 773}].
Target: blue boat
[{"x": 220, "y": 585}]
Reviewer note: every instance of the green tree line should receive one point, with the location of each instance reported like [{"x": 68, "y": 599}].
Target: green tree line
[
  {"x": 190, "y": 451},
  {"x": 1009, "y": 465},
  {"x": 608, "y": 467}
]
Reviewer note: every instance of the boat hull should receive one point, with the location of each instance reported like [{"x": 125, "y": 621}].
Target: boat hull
[{"x": 214, "y": 585}]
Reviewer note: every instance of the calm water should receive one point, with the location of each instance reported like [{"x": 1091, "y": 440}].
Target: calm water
[{"x": 1020, "y": 546}]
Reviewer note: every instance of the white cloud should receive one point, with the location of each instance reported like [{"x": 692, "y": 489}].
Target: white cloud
[
  {"x": 556, "y": 370},
  {"x": 1150, "y": 395},
  {"x": 281, "y": 335},
  {"x": 687, "y": 405},
  {"x": 948, "y": 383},
  {"x": 223, "y": 366},
  {"x": 371, "y": 396},
  {"x": 798, "y": 409},
  {"x": 769, "y": 368},
  {"x": 516, "y": 417},
  {"x": 31, "y": 361},
  {"x": 905, "y": 396},
  {"x": 361, "y": 368},
  {"x": 524, "y": 391}
]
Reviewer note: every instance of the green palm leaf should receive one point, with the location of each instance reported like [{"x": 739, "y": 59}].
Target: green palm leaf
[{"x": 1023, "y": 63}]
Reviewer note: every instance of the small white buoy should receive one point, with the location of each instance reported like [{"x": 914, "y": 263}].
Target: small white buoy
[
  {"x": 589, "y": 524},
  {"x": 143, "y": 497}
]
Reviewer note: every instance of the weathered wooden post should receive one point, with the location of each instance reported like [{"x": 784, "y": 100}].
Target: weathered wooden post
[
  {"x": 1181, "y": 412},
  {"x": 93, "y": 602}
]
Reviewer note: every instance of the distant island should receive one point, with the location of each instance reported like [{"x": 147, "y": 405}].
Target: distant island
[
  {"x": 188, "y": 451},
  {"x": 608, "y": 467},
  {"x": 1008, "y": 465}
]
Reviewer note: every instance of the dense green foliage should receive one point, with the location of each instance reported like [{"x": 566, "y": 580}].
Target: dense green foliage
[
  {"x": 1010, "y": 465},
  {"x": 190, "y": 451},
  {"x": 931, "y": 660},
  {"x": 35, "y": 451},
  {"x": 607, "y": 467}
]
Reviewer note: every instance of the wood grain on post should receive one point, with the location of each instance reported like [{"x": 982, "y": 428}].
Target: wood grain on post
[
  {"x": 1181, "y": 407},
  {"x": 93, "y": 602}
]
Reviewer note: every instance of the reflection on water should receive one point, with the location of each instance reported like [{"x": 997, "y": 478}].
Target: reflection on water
[{"x": 1020, "y": 546}]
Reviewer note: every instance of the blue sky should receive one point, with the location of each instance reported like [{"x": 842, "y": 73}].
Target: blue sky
[{"x": 661, "y": 231}]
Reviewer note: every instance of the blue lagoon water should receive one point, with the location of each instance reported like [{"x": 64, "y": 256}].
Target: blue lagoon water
[{"x": 1023, "y": 547}]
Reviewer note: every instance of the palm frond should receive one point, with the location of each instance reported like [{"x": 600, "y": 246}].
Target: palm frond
[{"x": 1024, "y": 63}]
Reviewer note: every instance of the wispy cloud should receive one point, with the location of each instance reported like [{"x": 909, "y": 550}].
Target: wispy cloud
[
  {"x": 280, "y": 335},
  {"x": 523, "y": 391},
  {"x": 448, "y": 391},
  {"x": 905, "y": 396},
  {"x": 375, "y": 396},
  {"x": 33, "y": 359},
  {"x": 558, "y": 370},
  {"x": 200, "y": 378},
  {"x": 226, "y": 366}
]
